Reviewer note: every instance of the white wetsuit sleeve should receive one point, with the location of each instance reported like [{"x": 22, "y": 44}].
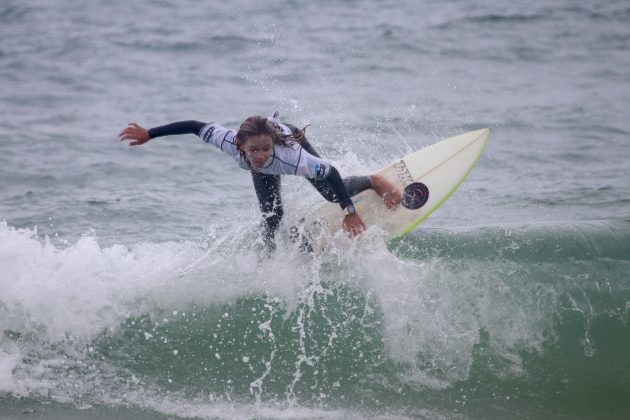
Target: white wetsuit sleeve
[
  {"x": 220, "y": 137},
  {"x": 312, "y": 167}
]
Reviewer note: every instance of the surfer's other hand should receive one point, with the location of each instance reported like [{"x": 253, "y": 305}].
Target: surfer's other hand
[
  {"x": 386, "y": 190},
  {"x": 353, "y": 225},
  {"x": 137, "y": 134}
]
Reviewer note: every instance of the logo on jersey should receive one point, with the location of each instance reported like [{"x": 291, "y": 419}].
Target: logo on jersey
[
  {"x": 208, "y": 135},
  {"x": 321, "y": 170}
]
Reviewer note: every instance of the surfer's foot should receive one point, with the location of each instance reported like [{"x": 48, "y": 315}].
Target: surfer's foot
[{"x": 386, "y": 190}]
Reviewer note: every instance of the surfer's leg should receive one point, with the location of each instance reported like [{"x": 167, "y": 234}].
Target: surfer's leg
[{"x": 268, "y": 192}]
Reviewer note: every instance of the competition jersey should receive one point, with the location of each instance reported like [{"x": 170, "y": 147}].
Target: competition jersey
[{"x": 284, "y": 160}]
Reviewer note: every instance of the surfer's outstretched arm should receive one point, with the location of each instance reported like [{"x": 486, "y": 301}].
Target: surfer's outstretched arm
[{"x": 140, "y": 135}]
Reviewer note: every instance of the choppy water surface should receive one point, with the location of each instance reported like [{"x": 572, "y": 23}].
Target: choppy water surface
[{"x": 130, "y": 284}]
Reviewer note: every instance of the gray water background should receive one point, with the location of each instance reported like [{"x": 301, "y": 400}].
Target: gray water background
[
  {"x": 375, "y": 80},
  {"x": 91, "y": 229}
]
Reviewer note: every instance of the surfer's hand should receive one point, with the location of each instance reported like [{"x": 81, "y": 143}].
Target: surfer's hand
[
  {"x": 353, "y": 225},
  {"x": 139, "y": 135},
  {"x": 386, "y": 190}
]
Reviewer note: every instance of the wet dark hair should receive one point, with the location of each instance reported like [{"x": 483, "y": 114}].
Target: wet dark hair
[{"x": 257, "y": 125}]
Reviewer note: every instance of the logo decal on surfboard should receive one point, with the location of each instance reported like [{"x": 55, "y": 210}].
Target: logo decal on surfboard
[
  {"x": 403, "y": 172},
  {"x": 415, "y": 196}
]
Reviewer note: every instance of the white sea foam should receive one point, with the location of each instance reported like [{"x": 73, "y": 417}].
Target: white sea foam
[{"x": 433, "y": 311}]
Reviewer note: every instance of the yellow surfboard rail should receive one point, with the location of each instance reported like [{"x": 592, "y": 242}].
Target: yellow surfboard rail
[{"x": 484, "y": 132}]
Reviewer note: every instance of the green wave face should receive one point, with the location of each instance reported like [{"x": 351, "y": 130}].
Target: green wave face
[
  {"x": 496, "y": 317},
  {"x": 480, "y": 321}
]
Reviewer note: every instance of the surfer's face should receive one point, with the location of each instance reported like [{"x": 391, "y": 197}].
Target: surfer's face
[{"x": 257, "y": 149}]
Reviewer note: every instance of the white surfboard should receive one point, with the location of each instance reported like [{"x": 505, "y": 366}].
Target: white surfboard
[{"x": 426, "y": 178}]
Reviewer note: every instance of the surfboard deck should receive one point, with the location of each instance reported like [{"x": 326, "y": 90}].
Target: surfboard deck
[{"x": 426, "y": 178}]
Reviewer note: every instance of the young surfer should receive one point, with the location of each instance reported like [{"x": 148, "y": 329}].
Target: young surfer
[{"x": 268, "y": 149}]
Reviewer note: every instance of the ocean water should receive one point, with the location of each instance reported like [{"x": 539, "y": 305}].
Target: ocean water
[{"x": 130, "y": 284}]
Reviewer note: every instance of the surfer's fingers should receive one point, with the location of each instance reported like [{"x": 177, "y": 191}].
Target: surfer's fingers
[
  {"x": 131, "y": 130},
  {"x": 392, "y": 199},
  {"x": 126, "y": 135},
  {"x": 354, "y": 227}
]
